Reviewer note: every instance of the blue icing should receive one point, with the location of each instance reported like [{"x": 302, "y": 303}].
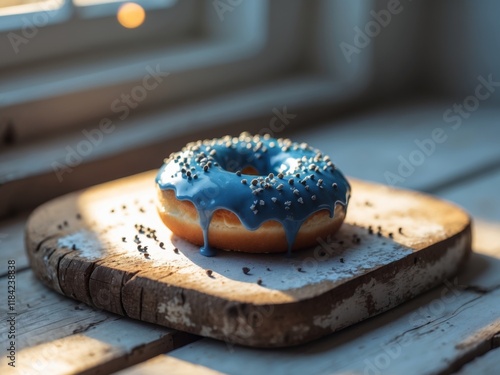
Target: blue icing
[{"x": 208, "y": 174}]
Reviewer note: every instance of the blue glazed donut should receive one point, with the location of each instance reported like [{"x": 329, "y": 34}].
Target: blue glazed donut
[{"x": 252, "y": 194}]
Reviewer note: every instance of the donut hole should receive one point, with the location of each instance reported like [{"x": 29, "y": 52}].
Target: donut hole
[
  {"x": 246, "y": 168},
  {"x": 246, "y": 162},
  {"x": 250, "y": 170}
]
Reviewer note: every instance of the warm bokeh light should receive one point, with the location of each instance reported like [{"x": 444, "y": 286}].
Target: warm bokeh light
[{"x": 131, "y": 15}]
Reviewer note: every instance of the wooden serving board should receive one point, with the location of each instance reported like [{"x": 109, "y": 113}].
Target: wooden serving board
[{"x": 83, "y": 245}]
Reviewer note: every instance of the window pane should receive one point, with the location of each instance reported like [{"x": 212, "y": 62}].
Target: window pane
[
  {"x": 28, "y": 5},
  {"x": 93, "y": 2},
  {"x": 83, "y": 3},
  {"x": 11, "y": 3},
  {"x": 102, "y": 8},
  {"x": 13, "y": 12}
]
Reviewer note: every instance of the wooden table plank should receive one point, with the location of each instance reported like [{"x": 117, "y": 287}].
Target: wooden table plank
[
  {"x": 12, "y": 243},
  {"x": 485, "y": 234},
  {"x": 103, "y": 348},
  {"x": 486, "y": 364},
  {"x": 163, "y": 364},
  {"x": 369, "y": 145},
  {"x": 93, "y": 340},
  {"x": 44, "y": 316},
  {"x": 480, "y": 198}
]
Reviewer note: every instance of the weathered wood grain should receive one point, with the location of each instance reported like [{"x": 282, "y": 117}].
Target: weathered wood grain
[
  {"x": 85, "y": 246},
  {"x": 163, "y": 364},
  {"x": 44, "y": 316},
  {"x": 12, "y": 243},
  {"x": 57, "y": 335},
  {"x": 486, "y": 364},
  {"x": 485, "y": 234},
  {"x": 479, "y": 197},
  {"x": 110, "y": 346}
]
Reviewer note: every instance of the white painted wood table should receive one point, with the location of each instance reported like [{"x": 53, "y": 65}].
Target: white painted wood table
[{"x": 454, "y": 328}]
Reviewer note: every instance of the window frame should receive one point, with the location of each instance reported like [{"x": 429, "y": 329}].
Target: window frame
[
  {"x": 110, "y": 8},
  {"x": 50, "y": 84},
  {"x": 45, "y": 36},
  {"x": 13, "y": 17}
]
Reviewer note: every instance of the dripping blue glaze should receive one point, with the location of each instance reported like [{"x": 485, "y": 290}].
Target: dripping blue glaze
[{"x": 204, "y": 173}]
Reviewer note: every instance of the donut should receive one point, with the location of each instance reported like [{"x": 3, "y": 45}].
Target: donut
[{"x": 251, "y": 193}]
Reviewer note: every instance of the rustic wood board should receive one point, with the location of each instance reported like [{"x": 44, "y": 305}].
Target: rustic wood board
[{"x": 82, "y": 245}]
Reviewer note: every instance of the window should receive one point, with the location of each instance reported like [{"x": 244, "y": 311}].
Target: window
[
  {"x": 16, "y": 14},
  {"x": 225, "y": 62},
  {"x": 89, "y": 61},
  {"x": 73, "y": 58},
  {"x": 37, "y": 30}
]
